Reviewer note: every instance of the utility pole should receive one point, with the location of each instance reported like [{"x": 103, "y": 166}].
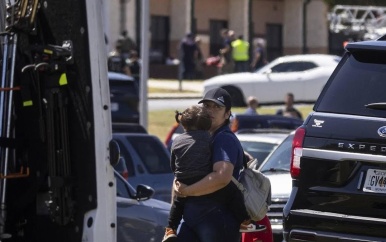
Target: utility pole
[
  {"x": 192, "y": 13},
  {"x": 305, "y": 48},
  {"x": 144, "y": 62},
  {"x": 250, "y": 31},
  {"x": 122, "y": 16}
]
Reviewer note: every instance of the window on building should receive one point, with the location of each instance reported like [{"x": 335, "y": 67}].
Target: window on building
[
  {"x": 159, "y": 46},
  {"x": 216, "y": 41},
  {"x": 274, "y": 41}
]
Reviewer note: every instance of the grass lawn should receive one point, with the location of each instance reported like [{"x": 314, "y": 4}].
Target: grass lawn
[{"x": 161, "y": 121}]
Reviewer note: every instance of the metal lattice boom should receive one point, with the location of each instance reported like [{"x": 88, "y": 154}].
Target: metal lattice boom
[{"x": 370, "y": 21}]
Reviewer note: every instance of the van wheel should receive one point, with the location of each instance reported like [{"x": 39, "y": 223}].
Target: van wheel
[{"x": 236, "y": 96}]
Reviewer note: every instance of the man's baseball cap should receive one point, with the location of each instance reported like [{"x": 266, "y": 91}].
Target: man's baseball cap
[{"x": 219, "y": 96}]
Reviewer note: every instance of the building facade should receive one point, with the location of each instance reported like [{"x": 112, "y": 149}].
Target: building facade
[{"x": 286, "y": 26}]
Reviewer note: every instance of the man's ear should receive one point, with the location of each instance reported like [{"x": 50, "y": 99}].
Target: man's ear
[{"x": 228, "y": 114}]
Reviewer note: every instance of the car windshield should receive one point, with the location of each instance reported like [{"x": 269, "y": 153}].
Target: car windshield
[
  {"x": 280, "y": 159},
  {"x": 258, "y": 150},
  {"x": 152, "y": 153}
]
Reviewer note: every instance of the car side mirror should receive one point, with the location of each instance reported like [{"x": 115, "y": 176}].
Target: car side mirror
[
  {"x": 115, "y": 152},
  {"x": 144, "y": 192}
]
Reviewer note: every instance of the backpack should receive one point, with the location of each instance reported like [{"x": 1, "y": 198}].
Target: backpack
[{"x": 256, "y": 189}]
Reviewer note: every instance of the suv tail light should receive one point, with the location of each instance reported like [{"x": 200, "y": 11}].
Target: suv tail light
[{"x": 297, "y": 151}]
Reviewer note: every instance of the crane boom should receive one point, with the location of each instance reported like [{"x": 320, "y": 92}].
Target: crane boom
[{"x": 369, "y": 22}]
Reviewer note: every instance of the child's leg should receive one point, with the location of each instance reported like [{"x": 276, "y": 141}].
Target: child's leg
[
  {"x": 176, "y": 212},
  {"x": 175, "y": 216}
]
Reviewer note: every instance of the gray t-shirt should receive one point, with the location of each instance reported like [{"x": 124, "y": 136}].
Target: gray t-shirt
[{"x": 191, "y": 153}]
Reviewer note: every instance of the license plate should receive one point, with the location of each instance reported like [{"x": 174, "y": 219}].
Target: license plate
[
  {"x": 114, "y": 107},
  {"x": 375, "y": 181}
]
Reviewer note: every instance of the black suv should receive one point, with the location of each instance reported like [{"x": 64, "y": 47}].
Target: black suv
[{"x": 338, "y": 162}]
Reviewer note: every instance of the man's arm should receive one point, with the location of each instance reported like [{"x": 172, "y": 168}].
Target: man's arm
[{"x": 217, "y": 179}]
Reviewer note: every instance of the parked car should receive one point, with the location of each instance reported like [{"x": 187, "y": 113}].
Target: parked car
[
  {"x": 277, "y": 168},
  {"x": 338, "y": 158},
  {"x": 261, "y": 143},
  {"x": 124, "y": 97},
  {"x": 139, "y": 216},
  {"x": 303, "y": 75},
  {"x": 250, "y": 122},
  {"x": 147, "y": 161}
]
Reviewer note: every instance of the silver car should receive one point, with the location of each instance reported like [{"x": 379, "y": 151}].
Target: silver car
[
  {"x": 277, "y": 168},
  {"x": 260, "y": 143}
]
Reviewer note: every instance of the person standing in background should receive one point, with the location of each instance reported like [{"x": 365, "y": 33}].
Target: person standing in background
[
  {"x": 252, "y": 105},
  {"x": 188, "y": 55},
  {"x": 240, "y": 54},
  {"x": 226, "y": 62},
  {"x": 199, "y": 60},
  {"x": 259, "y": 58},
  {"x": 289, "y": 110},
  {"x": 116, "y": 61},
  {"x": 134, "y": 66},
  {"x": 127, "y": 44}
]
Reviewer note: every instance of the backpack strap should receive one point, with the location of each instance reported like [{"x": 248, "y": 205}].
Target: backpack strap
[
  {"x": 245, "y": 160},
  {"x": 238, "y": 184}
]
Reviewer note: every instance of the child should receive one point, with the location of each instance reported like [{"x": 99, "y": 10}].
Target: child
[{"x": 190, "y": 162}]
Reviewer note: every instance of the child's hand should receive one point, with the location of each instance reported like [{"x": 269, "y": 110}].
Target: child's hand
[{"x": 179, "y": 188}]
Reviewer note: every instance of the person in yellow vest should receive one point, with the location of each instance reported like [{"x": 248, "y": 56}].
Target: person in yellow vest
[{"x": 240, "y": 54}]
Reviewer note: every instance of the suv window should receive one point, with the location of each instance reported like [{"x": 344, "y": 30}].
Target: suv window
[{"x": 361, "y": 80}]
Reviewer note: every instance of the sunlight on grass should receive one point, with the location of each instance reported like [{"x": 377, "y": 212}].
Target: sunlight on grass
[
  {"x": 167, "y": 90},
  {"x": 161, "y": 121}
]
